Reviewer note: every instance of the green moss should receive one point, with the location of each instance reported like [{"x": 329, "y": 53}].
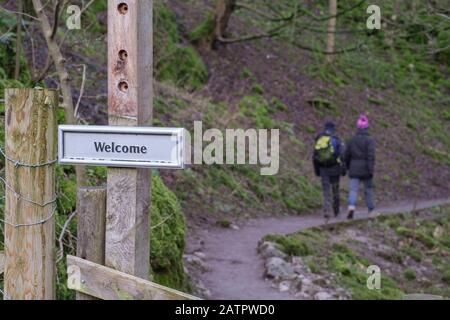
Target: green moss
[
  {"x": 299, "y": 194},
  {"x": 324, "y": 107},
  {"x": 278, "y": 105},
  {"x": 67, "y": 189},
  {"x": 446, "y": 115},
  {"x": 300, "y": 244},
  {"x": 167, "y": 237},
  {"x": 446, "y": 277},
  {"x": 203, "y": 31},
  {"x": 183, "y": 67},
  {"x": 175, "y": 63},
  {"x": 224, "y": 223},
  {"x": 439, "y": 155},
  {"x": 256, "y": 108},
  {"x": 258, "y": 89},
  {"x": 421, "y": 236},
  {"x": 353, "y": 276},
  {"x": 410, "y": 274},
  {"x": 413, "y": 253},
  {"x": 404, "y": 232},
  {"x": 247, "y": 74},
  {"x": 167, "y": 240}
]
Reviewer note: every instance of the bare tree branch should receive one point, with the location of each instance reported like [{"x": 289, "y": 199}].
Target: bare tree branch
[
  {"x": 63, "y": 75},
  {"x": 18, "y": 40},
  {"x": 60, "y": 254},
  {"x": 271, "y": 33},
  {"x": 341, "y": 51},
  {"x": 21, "y": 13},
  {"x": 80, "y": 96},
  {"x": 341, "y": 13},
  {"x": 257, "y": 11},
  {"x": 57, "y": 11}
]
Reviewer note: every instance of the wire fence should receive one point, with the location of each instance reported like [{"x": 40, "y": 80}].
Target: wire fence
[
  {"x": 20, "y": 197},
  {"x": 17, "y": 165}
]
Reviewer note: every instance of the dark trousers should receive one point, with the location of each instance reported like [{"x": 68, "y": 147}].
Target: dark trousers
[{"x": 330, "y": 188}]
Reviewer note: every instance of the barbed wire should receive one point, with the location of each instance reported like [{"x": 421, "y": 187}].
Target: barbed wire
[
  {"x": 21, "y": 225},
  {"x": 5, "y": 296},
  {"x": 19, "y": 196},
  {"x": 18, "y": 163}
]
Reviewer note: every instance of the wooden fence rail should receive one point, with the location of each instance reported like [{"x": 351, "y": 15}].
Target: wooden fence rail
[
  {"x": 108, "y": 284},
  {"x": 2, "y": 262}
]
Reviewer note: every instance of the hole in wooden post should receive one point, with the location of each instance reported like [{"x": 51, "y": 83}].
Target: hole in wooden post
[
  {"x": 123, "y": 8},
  {"x": 123, "y": 55},
  {"x": 123, "y": 86}
]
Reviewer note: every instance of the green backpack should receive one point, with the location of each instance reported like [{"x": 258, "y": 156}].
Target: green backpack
[{"x": 325, "y": 152}]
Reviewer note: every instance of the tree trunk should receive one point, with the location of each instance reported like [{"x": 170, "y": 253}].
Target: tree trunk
[
  {"x": 331, "y": 31},
  {"x": 18, "y": 39},
  {"x": 222, "y": 16},
  {"x": 63, "y": 74}
]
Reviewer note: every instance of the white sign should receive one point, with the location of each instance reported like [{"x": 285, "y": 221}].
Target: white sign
[{"x": 144, "y": 147}]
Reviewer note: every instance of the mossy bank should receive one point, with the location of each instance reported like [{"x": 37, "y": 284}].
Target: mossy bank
[{"x": 411, "y": 251}]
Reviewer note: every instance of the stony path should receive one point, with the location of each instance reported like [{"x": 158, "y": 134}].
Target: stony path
[{"x": 236, "y": 270}]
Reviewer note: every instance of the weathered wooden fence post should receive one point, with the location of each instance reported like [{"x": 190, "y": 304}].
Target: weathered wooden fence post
[
  {"x": 91, "y": 219},
  {"x": 130, "y": 101},
  {"x": 31, "y": 148}
]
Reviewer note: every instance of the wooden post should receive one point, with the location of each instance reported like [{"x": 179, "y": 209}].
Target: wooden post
[
  {"x": 130, "y": 100},
  {"x": 31, "y": 148},
  {"x": 2, "y": 262},
  {"x": 109, "y": 284},
  {"x": 91, "y": 218},
  {"x": 331, "y": 39}
]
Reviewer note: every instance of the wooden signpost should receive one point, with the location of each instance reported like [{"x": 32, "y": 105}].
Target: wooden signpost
[
  {"x": 113, "y": 224},
  {"x": 128, "y": 151},
  {"x": 130, "y": 103}
]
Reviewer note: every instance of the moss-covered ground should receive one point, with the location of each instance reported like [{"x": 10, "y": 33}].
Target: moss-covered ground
[{"x": 411, "y": 249}]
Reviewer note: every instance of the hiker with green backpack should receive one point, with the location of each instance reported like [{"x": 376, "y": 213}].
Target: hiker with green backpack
[{"x": 328, "y": 151}]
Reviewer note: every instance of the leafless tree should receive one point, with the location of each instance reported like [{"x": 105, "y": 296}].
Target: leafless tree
[
  {"x": 55, "y": 54},
  {"x": 331, "y": 31},
  {"x": 279, "y": 20}
]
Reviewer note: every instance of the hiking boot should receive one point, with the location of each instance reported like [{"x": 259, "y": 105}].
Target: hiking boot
[
  {"x": 350, "y": 215},
  {"x": 327, "y": 218},
  {"x": 351, "y": 212}
]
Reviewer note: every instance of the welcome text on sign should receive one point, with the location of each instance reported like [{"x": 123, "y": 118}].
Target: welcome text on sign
[{"x": 117, "y": 148}]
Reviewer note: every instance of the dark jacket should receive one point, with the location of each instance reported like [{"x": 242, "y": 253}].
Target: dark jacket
[
  {"x": 335, "y": 170},
  {"x": 359, "y": 155}
]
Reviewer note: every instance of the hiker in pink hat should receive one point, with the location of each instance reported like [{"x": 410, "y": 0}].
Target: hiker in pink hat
[
  {"x": 359, "y": 158},
  {"x": 363, "y": 122}
]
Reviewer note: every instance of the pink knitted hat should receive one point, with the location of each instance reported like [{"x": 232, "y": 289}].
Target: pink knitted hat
[{"x": 363, "y": 122}]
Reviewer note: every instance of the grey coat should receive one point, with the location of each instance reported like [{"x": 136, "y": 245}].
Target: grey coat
[{"x": 359, "y": 155}]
